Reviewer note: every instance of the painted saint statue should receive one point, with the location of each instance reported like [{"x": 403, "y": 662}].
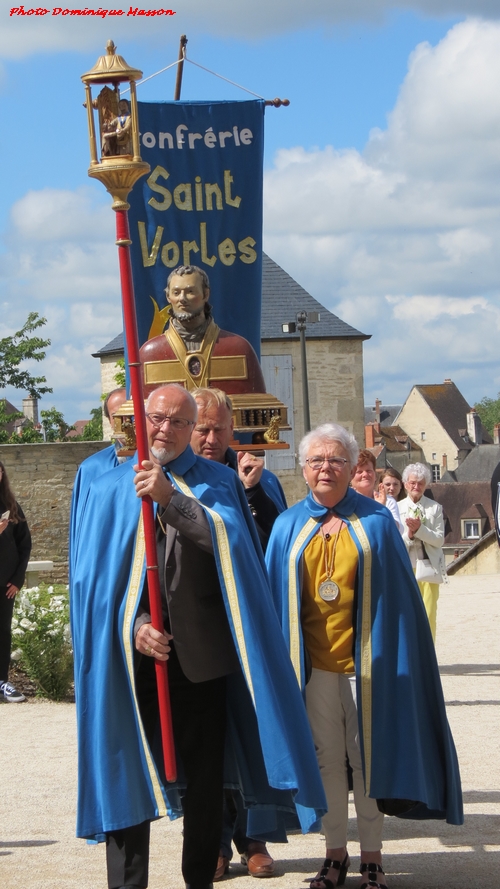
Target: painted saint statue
[{"x": 194, "y": 351}]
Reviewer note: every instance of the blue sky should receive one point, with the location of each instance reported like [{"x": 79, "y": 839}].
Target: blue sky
[{"x": 381, "y": 186}]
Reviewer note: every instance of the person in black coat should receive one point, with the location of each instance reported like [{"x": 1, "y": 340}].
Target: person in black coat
[{"x": 15, "y": 549}]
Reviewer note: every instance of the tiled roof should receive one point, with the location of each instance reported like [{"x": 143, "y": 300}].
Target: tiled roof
[
  {"x": 395, "y": 439},
  {"x": 479, "y": 465},
  {"x": 388, "y": 413},
  {"x": 462, "y": 501},
  {"x": 10, "y": 408},
  {"x": 450, "y": 407},
  {"x": 282, "y": 298},
  {"x": 79, "y": 427},
  {"x": 489, "y": 539},
  {"x": 115, "y": 345}
]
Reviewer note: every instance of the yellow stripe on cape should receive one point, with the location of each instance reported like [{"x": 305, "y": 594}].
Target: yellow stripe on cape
[
  {"x": 365, "y": 645},
  {"x": 229, "y": 579},
  {"x": 132, "y": 596}
]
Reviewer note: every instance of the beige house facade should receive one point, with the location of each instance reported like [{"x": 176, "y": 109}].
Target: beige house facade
[
  {"x": 439, "y": 420},
  {"x": 423, "y": 427}
]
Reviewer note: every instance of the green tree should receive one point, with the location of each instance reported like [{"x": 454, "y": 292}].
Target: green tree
[
  {"x": 54, "y": 425},
  {"x": 29, "y": 435},
  {"x": 5, "y": 418},
  {"x": 22, "y": 347},
  {"x": 26, "y": 434},
  {"x": 120, "y": 376},
  {"x": 489, "y": 412},
  {"x": 93, "y": 429}
]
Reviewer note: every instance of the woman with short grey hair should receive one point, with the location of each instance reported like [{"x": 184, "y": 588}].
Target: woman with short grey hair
[
  {"x": 330, "y": 433},
  {"x": 419, "y": 470},
  {"x": 423, "y": 534},
  {"x": 352, "y": 619}
]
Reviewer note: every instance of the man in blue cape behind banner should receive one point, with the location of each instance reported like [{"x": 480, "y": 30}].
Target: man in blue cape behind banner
[
  {"x": 403, "y": 754},
  {"x": 94, "y": 466},
  {"x": 238, "y": 714}
]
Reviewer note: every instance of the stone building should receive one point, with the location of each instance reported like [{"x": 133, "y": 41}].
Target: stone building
[{"x": 438, "y": 418}]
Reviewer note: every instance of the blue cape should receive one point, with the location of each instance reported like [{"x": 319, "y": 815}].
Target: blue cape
[
  {"x": 270, "y": 751},
  {"x": 406, "y": 743},
  {"x": 94, "y": 466},
  {"x": 273, "y": 489},
  {"x": 269, "y": 482}
]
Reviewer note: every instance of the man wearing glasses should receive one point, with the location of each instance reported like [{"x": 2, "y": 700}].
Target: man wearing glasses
[{"x": 211, "y": 583}]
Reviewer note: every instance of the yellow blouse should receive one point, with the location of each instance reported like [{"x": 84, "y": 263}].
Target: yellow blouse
[{"x": 328, "y": 626}]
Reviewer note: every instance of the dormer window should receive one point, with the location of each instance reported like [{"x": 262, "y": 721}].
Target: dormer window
[{"x": 470, "y": 529}]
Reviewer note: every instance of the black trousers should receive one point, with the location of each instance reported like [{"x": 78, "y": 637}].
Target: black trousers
[
  {"x": 199, "y": 724},
  {"x": 6, "y": 610}
]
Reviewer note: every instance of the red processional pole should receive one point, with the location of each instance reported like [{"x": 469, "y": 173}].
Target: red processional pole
[
  {"x": 118, "y": 166},
  {"x": 148, "y": 517}
]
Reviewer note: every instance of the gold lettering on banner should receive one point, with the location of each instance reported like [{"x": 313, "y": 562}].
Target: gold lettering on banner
[
  {"x": 228, "y": 180},
  {"x": 170, "y": 252},
  {"x": 188, "y": 247},
  {"x": 208, "y": 260},
  {"x": 247, "y": 254},
  {"x": 170, "y": 255},
  {"x": 159, "y": 189},
  {"x": 211, "y": 189},
  {"x": 183, "y": 196},
  {"x": 227, "y": 252},
  {"x": 147, "y": 257}
]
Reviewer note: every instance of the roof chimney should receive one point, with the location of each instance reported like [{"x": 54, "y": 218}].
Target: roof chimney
[
  {"x": 496, "y": 433},
  {"x": 30, "y": 409},
  {"x": 447, "y": 380},
  {"x": 474, "y": 427},
  {"x": 369, "y": 436},
  {"x": 378, "y": 405}
]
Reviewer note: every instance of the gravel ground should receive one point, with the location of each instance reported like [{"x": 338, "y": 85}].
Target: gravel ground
[{"x": 38, "y": 849}]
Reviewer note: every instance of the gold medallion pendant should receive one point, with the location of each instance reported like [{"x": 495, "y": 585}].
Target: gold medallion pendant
[{"x": 328, "y": 590}]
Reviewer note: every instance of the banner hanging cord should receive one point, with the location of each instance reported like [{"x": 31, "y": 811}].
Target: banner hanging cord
[
  {"x": 172, "y": 65},
  {"x": 185, "y": 59},
  {"x": 232, "y": 82}
]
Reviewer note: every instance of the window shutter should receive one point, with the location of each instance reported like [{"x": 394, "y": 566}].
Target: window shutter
[{"x": 277, "y": 370}]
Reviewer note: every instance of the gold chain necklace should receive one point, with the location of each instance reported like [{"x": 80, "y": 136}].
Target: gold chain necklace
[{"x": 329, "y": 590}]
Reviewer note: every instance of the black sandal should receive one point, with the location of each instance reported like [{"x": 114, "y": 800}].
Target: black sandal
[
  {"x": 373, "y": 869},
  {"x": 328, "y": 864}
]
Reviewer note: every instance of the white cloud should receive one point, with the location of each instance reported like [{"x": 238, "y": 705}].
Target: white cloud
[
  {"x": 23, "y": 35},
  {"x": 60, "y": 261},
  {"x": 415, "y": 308},
  {"x": 52, "y": 214},
  {"x": 401, "y": 240}
]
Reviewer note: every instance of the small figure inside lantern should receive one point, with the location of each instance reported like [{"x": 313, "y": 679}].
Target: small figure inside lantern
[{"x": 116, "y": 125}]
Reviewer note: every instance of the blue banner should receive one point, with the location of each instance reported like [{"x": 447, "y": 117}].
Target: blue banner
[{"x": 200, "y": 205}]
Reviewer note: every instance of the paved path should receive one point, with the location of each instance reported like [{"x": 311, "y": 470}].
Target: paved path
[{"x": 38, "y": 849}]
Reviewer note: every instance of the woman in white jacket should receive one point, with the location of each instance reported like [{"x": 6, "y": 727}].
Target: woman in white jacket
[{"x": 423, "y": 535}]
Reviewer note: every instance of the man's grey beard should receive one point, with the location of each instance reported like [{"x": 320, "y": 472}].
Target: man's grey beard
[
  {"x": 162, "y": 455},
  {"x": 187, "y": 316}
]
